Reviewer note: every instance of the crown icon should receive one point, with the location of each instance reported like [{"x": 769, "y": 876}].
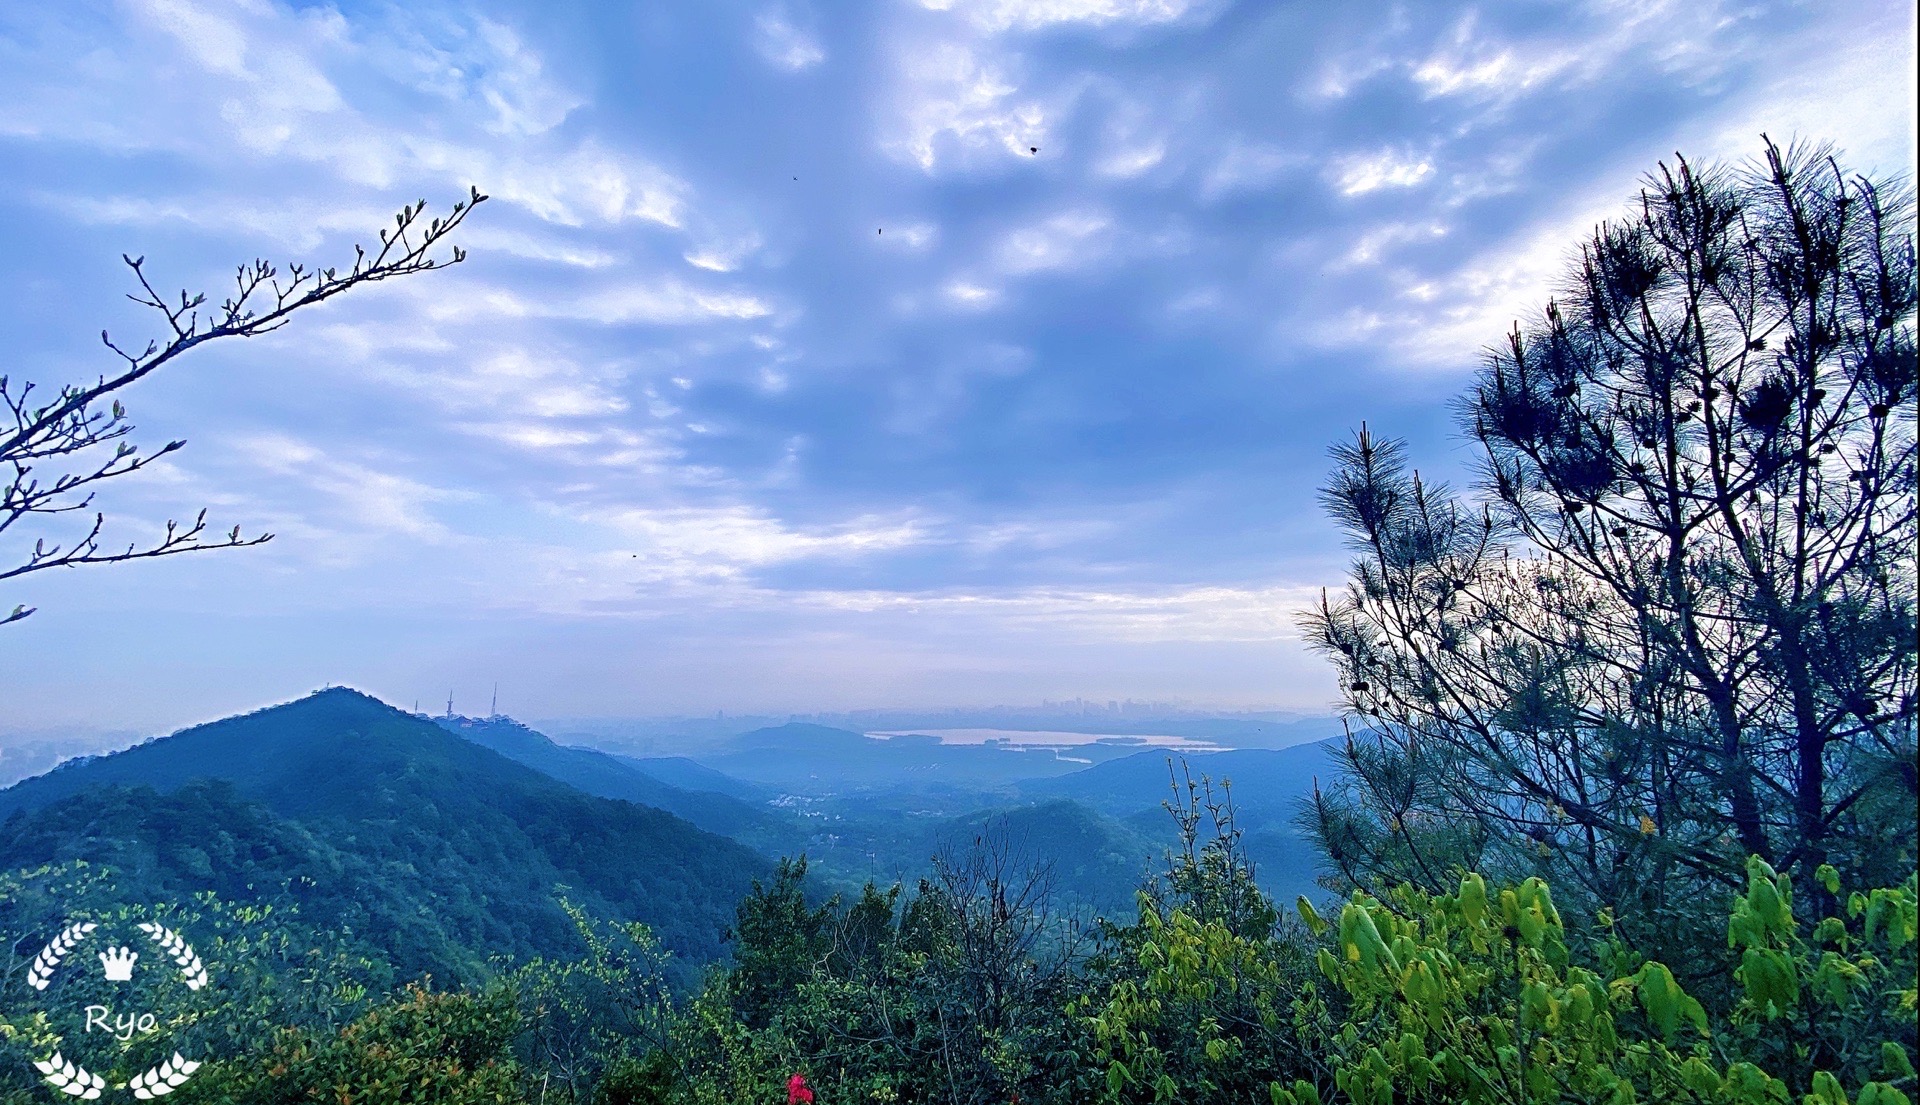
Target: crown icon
[{"x": 119, "y": 963}]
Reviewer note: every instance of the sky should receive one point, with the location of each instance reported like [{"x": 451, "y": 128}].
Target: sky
[{"x": 815, "y": 356}]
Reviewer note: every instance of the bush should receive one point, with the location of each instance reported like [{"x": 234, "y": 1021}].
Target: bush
[{"x": 1474, "y": 997}]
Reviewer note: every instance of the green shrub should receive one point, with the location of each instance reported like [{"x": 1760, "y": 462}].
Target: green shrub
[{"x": 1474, "y": 997}]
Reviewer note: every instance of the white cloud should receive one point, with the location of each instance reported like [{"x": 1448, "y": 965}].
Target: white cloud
[
  {"x": 264, "y": 84},
  {"x": 1203, "y": 613},
  {"x": 1069, "y": 240},
  {"x": 482, "y": 238},
  {"x": 723, "y": 255},
  {"x": 723, "y": 542},
  {"x": 541, "y": 384},
  {"x": 471, "y": 60},
  {"x": 302, "y": 227},
  {"x": 1374, "y": 242},
  {"x": 1338, "y": 77},
  {"x": 281, "y": 67},
  {"x": 1132, "y": 161},
  {"x": 955, "y": 104},
  {"x": 1500, "y": 74},
  {"x": 908, "y": 234},
  {"x": 971, "y": 296},
  {"x": 1031, "y": 15},
  {"x": 1855, "y": 87},
  {"x": 1837, "y": 83},
  {"x": 1196, "y": 301},
  {"x": 1471, "y": 64},
  {"x": 521, "y": 395},
  {"x": 1358, "y": 174},
  {"x": 1446, "y": 319},
  {"x": 664, "y": 301},
  {"x": 785, "y": 46},
  {"x": 515, "y": 86},
  {"x": 582, "y": 184},
  {"x": 534, "y": 436},
  {"x": 1695, "y": 40},
  {"x": 346, "y": 496}
]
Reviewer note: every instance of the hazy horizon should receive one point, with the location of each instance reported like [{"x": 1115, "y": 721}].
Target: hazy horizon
[{"x": 26, "y": 751}]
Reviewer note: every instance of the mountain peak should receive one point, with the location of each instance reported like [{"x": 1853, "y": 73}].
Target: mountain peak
[
  {"x": 337, "y": 695},
  {"x": 458, "y": 839}
]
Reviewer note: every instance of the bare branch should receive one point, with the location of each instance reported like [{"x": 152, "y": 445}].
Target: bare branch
[{"x": 69, "y": 430}]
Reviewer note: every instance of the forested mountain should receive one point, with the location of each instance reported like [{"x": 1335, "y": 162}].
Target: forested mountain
[
  {"x": 435, "y": 849},
  {"x": 689, "y": 774},
  {"x": 441, "y": 840},
  {"x": 1268, "y": 789},
  {"x": 1095, "y": 862},
  {"x": 1267, "y": 785},
  {"x": 608, "y": 776}
]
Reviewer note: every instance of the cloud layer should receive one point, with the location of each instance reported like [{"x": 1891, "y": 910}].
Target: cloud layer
[{"x": 961, "y": 351}]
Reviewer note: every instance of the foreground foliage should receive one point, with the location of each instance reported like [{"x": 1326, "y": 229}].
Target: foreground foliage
[
  {"x": 1477, "y": 997},
  {"x": 1481, "y": 995},
  {"x": 1674, "y": 624}
]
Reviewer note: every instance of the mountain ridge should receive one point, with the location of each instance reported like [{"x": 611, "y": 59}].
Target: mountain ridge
[
  {"x": 477, "y": 843},
  {"x": 605, "y": 775}
]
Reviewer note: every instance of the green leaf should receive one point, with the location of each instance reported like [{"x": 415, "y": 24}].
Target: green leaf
[
  {"x": 1667, "y": 1005},
  {"x": 1315, "y": 923},
  {"x": 1894, "y": 1061},
  {"x": 1473, "y": 898},
  {"x": 1826, "y": 1090}
]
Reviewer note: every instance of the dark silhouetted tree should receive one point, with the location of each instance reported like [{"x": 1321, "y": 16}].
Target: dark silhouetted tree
[{"x": 1676, "y": 625}]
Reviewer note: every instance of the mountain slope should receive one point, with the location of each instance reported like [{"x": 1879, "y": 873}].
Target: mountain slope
[
  {"x": 607, "y": 776},
  {"x": 679, "y": 771},
  {"x": 1093, "y": 859},
  {"x": 471, "y": 844},
  {"x": 1268, "y": 787},
  {"x": 1267, "y": 784}
]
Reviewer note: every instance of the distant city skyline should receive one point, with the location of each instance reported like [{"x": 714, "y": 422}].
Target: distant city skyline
[{"x": 816, "y": 357}]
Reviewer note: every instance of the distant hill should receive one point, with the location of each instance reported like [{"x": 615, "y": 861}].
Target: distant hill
[
  {"x": 1096, "y": 861},
  {"x": 607, "y": 776},
  {"x": 692, "y": 775},
  {"x": 1268, "y": 788},
  {"x": 453, "y": 850},
  {"x": 1267, "y": 784}
]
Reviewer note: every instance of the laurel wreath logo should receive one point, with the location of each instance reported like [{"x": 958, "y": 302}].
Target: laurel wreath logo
[
  {"x": 71, "y": 1078},
  {"x": 40, "y": 971},
  {"x": 77, "y": 1081},
  {"x": 163, "y": 1079},
  {"x": 192, "y": 971}
]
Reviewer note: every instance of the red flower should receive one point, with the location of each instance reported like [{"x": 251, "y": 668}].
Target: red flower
[{"x": 797, "y": 1091}]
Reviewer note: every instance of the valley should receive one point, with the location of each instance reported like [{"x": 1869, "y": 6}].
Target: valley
[{"x": 447, "y": 845}]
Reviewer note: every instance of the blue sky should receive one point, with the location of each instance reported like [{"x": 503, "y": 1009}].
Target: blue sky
[{"x": 784, "y": 375}]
